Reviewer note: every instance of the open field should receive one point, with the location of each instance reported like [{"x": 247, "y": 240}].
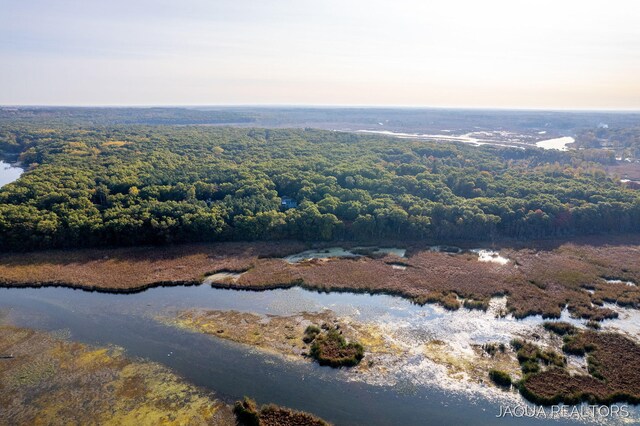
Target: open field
[{"x": 539, "y": 280}]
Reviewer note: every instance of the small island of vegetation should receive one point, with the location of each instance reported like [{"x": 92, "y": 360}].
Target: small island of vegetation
[
  {"x": 500, "y": 378},
  {"x": 331, "y": 348},
  {"x": 249, "y": 414}
]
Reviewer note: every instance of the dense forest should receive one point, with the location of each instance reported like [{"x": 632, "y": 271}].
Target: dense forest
[{"x": 139, "y": 184}]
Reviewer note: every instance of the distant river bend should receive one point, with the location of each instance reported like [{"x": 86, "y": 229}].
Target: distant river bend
[{"x": 8, "y": 173}]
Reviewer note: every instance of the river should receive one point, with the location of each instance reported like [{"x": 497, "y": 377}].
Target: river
[{"x": 234, "y": 370}]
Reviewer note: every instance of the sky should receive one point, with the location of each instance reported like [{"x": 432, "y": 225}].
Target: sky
[{"x": 559, "y": 54}]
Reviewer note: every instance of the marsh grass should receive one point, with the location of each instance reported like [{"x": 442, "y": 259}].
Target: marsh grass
[
  {"x": 249, "y": 414},
  {"x": 500, "y": 378},
  {"x": 613, "y": 363},
  {"x": 331, "y": 348},
  {"x": 543, "y": 283},
  {"x": 560, "y": 328}
]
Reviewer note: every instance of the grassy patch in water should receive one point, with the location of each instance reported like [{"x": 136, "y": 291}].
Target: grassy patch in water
[
  {"x": 492, "y": 348},
  {"x": 480, "y": 305},
  {"x": 310, "y": 333},
  {"x": 331, "y": 348},
  {"x": 500, "y": 378},
  {"x": 530, "y": 355},
  {"x": 450, "y": 302},
  {"x": 560, "y": 328},
  {"x": 249, "y": 414}
]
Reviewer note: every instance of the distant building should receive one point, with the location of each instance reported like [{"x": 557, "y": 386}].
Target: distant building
[{"x": 288, "y": 203}]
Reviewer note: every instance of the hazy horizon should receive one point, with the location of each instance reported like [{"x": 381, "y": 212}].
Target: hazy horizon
[
  {"x": 570, "y": 55},
  {"x": 325, "y": 106}
]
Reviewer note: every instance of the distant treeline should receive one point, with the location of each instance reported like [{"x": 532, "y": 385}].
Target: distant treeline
[
  {"x": 93, "y": 116},
  {"x": 420, "y": 120},
  {"x": 622, "y": 142},
  {"x": 135, "y": 184}
]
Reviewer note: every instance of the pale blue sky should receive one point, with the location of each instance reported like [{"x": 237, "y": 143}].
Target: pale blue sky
[{"x": 489, "y": 53}]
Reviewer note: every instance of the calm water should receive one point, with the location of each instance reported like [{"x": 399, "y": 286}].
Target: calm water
[
  {"x": 233, "y": 370},
  {"x": 559, "y": 144},
  {"x": 8, "y": 173}
]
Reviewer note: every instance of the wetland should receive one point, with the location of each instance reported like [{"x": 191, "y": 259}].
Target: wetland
[
  {"x": 225, "y": 336},
  {"x": 185, "y": 273}
]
